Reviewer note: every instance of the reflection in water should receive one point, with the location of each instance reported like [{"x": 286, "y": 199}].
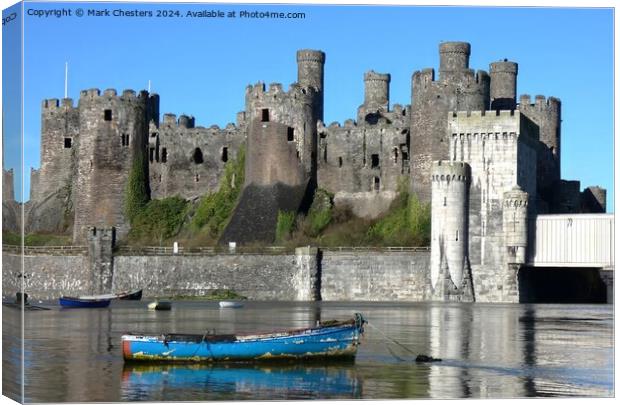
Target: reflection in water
[
  {"x": 174, "y": 382},
  {"x": 488, "y": 351}
]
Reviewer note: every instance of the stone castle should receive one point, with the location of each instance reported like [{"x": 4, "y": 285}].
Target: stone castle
[{"x": 487, "y": 161}]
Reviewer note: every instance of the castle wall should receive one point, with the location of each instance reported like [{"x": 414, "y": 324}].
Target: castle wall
[
  {"x": 362, "y": 164},
  {"x": 187, "y": 161},
  {"x": 458, "y": 89},
  {"x": 113, "y": 138}
]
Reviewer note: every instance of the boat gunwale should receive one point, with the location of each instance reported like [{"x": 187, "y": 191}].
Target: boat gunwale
[{"x": 243, "y": 338}]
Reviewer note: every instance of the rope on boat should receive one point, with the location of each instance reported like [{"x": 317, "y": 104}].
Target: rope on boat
[{"x": 419, "y": 357}]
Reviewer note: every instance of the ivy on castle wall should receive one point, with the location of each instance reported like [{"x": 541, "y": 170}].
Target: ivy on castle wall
[
  {"x": 136, "y": 195},
  {"x": 215, "y": 209}
]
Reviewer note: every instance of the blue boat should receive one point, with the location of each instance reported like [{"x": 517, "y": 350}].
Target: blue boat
[
  {"x": 84, "y": 302},
  {"x": 333, "y": 339}
]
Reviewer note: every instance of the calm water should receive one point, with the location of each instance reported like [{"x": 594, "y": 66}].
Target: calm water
[{"x": 488, "y": 351}]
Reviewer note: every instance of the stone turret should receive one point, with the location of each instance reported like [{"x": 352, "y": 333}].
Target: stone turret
[
  {"x": 503, "y": 85},
  {"x": 515, "y": 225},
  {"x": 376, "y": 95},
  {"x": 310, "y": 73},
  {"x": 450, "y": 273}
]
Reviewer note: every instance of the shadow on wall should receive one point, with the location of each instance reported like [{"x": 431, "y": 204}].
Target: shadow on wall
[{"x": 546, "y": 285}]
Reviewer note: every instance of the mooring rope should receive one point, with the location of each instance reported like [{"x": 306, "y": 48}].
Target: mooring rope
[{"x": 393, "y": 341}]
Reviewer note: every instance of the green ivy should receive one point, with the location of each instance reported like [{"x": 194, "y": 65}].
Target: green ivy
[
  {"x": 215, "y": 209},
  {"x": 159, "y": 220},
  {"x": 136, "y": 196},
  {"x": 284, "y": 227}
]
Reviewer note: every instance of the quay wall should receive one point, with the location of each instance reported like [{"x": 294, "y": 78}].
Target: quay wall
[
  {"x": 375, "y": 276},
  {"x": 307, "y": 274}
]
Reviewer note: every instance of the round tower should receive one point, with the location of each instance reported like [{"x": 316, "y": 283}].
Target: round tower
[
  {"x": 112, "y": 161},
  {"x": 449, "y": 219},
  {"x": 453, "y": 57},
  {"x": 515, "y": 206},
  {"x": 503, "y": 85},
  {"x": 377, "y": 90},
  {"x": 310, "y": 73}
]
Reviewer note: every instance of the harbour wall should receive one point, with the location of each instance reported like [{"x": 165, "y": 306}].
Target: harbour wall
[{"x": 307, "y": 274}]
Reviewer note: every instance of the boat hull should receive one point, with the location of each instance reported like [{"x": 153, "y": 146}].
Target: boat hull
[
  {"x": 131, "y": 296},
  {"x": 74, "y": 302},
  {"x": 338, "y": 341}
]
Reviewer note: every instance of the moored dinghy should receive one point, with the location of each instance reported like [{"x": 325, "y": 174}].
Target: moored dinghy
[
  {"x": 231, "y": 304},
  {"x": 85, "y": 302},
  {"x": 332, "y": 339}
]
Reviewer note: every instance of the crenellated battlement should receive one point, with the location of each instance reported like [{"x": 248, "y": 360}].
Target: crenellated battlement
[
  {"x": 504, "y": 66},
  {"x": 541, "y": 102},
  {"x": 310, "y": 55},
  {"x": 275, "y": 92},
  {"x": 127, "y": 95},
  {"x": 515, "y": 198},
  {"x": 55, "y": 104},
  {"x": 488, "y": 115},
  {"x": 447, "y": 171},
  {"x": 371, "y": 75}
]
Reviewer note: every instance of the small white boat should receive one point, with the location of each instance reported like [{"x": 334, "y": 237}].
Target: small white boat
[
  {"x": 160, "y": 305},
  {"x": 231, "y": 304}
]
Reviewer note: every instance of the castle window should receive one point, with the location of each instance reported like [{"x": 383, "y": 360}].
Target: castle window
[
  {"x": 197, "y": 178},
  {"x": 290, "y": 134},
  {"x": 151, "y": 154},
  {"x": 164, "y": 155},
  {"x": 374, "y": 159},
  {"x": 224, "y": 154},
  {"x": 67, "y": 142},
  {"x": 197, "y": 157},
  {"x": 395, "y": 155},
  {"x": 445, "y": 201},
  {"x": 265, "y": 115},
  {"x": 107, "y": 115},
  {"x": 125, "y": 139},
  {"x": 340, "y": 161},
  {"x": 325, "y": 154},
  {"x": 457, "y": 234},
  {"x": 377, "y": 184}
]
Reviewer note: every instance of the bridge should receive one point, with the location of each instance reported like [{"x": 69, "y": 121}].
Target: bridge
[{"x": 572, "y": 242}]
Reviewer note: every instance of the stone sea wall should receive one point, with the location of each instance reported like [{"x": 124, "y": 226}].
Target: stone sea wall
[{"x": 307, "y": 274}]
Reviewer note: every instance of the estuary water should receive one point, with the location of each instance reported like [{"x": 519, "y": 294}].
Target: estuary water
[{"x": 487, "y": 351}]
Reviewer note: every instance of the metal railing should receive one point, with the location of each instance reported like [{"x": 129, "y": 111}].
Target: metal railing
[
  {"x": 46, "y": 250},
  {"x": 199, "y": 250}
]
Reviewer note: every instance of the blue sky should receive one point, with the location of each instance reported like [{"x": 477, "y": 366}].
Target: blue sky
[{"x": 201, "y": 66}]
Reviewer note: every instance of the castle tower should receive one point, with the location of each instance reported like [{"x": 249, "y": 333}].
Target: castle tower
[
  {"x": 112, "y": 162},
  {"x": 450, "y": 273},
  {"x": 594, "y": 199},
  {"x": 453, "y": 59},
  {"x": 310, "y": 73},
  {"x": 503, "y": 85},
  {"x": 547, "y": 114},
  {"x": 458, "y": 89},
  {"x": 59, "y": 139},
  {"x": 376, "y": 94}
]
